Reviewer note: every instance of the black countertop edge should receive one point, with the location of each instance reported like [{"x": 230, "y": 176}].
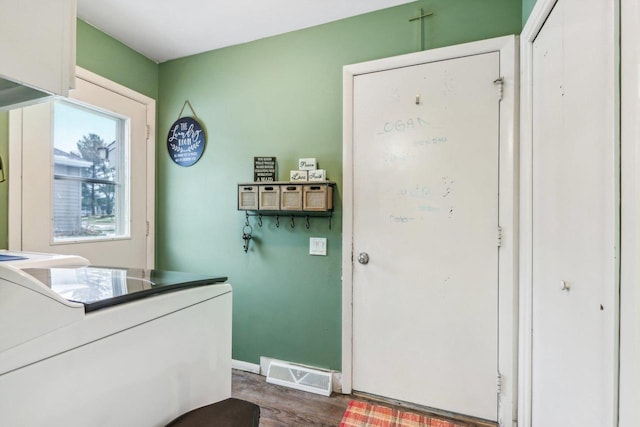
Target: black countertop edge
[{"x": 122, "y": 299}]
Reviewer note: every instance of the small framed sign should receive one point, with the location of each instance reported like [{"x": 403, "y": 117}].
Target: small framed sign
[
  {"x": 295, "y": 176},
  {"x": 264, "y": 169},
  {"x": 186, "y": 141}
]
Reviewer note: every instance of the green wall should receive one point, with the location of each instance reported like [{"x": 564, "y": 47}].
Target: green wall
[
  {"x": 108, "y": 57},
  {"x": 282, "y": 97},
  {"x": 527, "y": 7},
  {"x": 102, "y": 55}
]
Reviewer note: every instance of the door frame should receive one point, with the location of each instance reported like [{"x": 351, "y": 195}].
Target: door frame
[
  {"x": 15, "y": 161},
  {"x": 630, "y": 220},
  {"x": 534, "y": 24},
  {"x": 507, "y": 47}
]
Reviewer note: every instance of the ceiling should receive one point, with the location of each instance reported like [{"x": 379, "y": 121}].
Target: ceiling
[{"x": 163, "y": 30}]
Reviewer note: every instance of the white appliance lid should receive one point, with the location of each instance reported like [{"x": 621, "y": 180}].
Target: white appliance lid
[{"x": 99, "y": 287}]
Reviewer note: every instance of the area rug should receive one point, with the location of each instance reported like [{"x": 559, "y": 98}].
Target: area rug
[{"x": 362, "y": 414}]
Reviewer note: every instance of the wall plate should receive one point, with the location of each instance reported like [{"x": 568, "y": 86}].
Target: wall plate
[{"x": 317, "y": 246}]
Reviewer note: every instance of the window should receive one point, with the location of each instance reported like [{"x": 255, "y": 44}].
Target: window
[
  {"x": 100, "y": 203},
  {"x": 90, "y": 168}
]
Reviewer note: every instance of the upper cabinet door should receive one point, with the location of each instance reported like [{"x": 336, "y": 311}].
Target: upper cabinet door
[{"x": 37, "y": 43}]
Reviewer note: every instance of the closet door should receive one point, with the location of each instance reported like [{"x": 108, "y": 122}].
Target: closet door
[
  {"x": 630, "y": 218},
  {"x": 574, "y": 216}
]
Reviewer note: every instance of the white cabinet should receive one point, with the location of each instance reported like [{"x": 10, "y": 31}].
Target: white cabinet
[{"x": 37, "y": 45}]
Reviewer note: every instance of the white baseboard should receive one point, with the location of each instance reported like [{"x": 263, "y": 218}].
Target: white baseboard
[
  {"x": 245, "y": 366},
  {"x": 336, "y": 377}
]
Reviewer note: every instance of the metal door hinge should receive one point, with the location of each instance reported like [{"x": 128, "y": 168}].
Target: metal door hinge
[
  {"x": 500, "y": 82},
  {"x": 499, "y": 236},
  {"x": 148, "y": 132},
  {"x": 499, "y": 383},
  {"x": 147, "y": 229}
]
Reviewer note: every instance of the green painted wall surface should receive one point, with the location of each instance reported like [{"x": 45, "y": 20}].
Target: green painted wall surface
[
  {"x": 527, "y": 7},
  {"x": 102, "y": 55},
  {"x": 108, "y": 57},
  {"x": 282, "y": 97}
]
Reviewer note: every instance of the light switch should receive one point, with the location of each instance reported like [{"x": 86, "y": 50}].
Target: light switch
[{"x": 317, "y": 246}]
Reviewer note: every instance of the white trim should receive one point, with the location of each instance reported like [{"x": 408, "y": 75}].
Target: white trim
[
  {"x": 347, "y": 228},
  {"x": 14, "y": 234},
  {"x": 630, "y": 221},
  {"x": 245, "y": 366},
  {"x": 15, "y": 162},
  {"x": 508, "y": 295},
  {"x": 96, "y": 79},
  {"x": 535, "y": 22}
]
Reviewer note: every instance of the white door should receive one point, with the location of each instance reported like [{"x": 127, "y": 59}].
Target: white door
[
  {"x": 574, "y": 217},
  {"x": 630, "y": 217},
  {"x": 74, "y": 199},
  {"x": 425, "y": 213}
]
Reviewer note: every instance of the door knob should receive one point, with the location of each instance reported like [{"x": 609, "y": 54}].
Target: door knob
[{"x": 363, "y": 258}]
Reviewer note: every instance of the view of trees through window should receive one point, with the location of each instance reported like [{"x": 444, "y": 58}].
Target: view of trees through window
[
  {"x": 97, "y": 198},
  {"x": 87, "y": 178}
]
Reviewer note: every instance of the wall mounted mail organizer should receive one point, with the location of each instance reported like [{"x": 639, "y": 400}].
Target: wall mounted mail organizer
[{"x": 284, "y": 199}]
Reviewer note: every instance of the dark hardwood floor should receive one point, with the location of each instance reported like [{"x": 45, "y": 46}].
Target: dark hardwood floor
[
  {"x": 285, "y": 407},
  {"x": 282, "y": 406}
]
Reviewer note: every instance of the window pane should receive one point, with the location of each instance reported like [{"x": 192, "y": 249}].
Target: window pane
[{"x": 90, "y": 194}]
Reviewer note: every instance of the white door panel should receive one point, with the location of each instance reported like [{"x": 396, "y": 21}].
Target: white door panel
[
  {"x": 426, "y": 179},
  {"x": 574, "y": 218}
]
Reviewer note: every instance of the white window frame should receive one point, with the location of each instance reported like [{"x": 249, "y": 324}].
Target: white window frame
[
  {"x": 15, "y": 162},
  {"x": 123, "y": 180}
]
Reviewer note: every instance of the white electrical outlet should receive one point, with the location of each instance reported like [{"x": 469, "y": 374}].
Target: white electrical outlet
[{"x": 317, "y": 246}]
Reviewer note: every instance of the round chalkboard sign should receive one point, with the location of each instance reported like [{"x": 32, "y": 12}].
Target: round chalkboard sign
[{"x": 186, "y": 141}]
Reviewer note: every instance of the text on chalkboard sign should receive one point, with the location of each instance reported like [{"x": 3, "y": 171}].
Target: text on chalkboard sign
[{"x": 264, "y": 169}]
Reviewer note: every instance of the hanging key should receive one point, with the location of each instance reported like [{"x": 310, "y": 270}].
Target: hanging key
[{"x": 246, "y": 236}]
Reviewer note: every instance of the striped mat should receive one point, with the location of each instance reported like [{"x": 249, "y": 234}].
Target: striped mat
[{"x": 362, "y": 414}]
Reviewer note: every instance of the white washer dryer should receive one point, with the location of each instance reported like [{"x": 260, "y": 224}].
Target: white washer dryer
[{"x": 84, "y": 345}]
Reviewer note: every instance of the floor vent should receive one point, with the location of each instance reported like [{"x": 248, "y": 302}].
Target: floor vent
[{"x": 300, "y": 378}]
